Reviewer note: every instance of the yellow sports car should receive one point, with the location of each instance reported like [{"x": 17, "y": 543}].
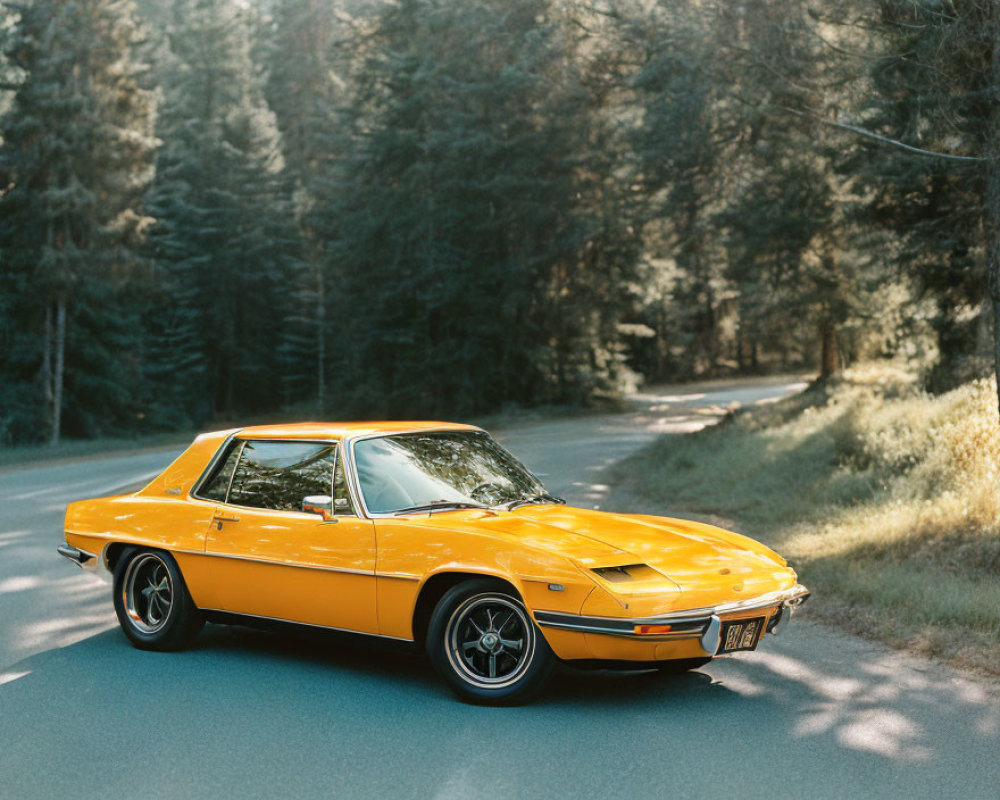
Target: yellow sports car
[{"x": 427, "y": 533}]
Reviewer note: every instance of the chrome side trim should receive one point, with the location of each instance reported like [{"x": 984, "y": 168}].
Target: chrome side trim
[
  {"x": 305, "y": 624},
  {"x": 347, "y": 570},
  {"x": 694, "y": 623},
  {"x": 77, "y": 556},
  {"x": 397, "y": 576}
]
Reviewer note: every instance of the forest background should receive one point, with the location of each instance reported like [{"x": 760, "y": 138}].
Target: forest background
[{"x": 229, "y": 209}]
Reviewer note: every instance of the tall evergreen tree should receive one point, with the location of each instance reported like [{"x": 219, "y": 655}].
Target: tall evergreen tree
[
  {"x": 76, "y": 158},
  {"x": 306, "y": 56},
  {"x": 932, "y": 84},
  {"x": 225, "y": 245},
  {"x": 463, "y": 224}
]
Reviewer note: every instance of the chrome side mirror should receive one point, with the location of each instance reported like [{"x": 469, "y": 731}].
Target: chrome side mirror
[{"x": 321, "y": 504}]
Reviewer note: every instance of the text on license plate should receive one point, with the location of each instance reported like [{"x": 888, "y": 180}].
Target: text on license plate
[{"x": 740, "y": 634}]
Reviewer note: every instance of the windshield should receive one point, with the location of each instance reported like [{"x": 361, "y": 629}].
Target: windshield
[{"x": 443, "y": 469}]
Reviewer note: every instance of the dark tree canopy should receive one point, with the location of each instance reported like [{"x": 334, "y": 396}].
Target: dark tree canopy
[{"x": 212, "y": 210}]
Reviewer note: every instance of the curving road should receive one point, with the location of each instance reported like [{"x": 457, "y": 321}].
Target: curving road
[{"x": 814, "y": 714}]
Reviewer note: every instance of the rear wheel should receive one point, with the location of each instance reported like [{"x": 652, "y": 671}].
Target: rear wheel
[
  {"x": 152, "y": 602},
  {"x": 483, "y": 642}
]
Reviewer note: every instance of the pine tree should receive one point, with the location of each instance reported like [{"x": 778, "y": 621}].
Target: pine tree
[
  {"x": 932, "y": 84},
  {"x": 225, "y": 244},
  {"x": 462, "y": 221},
  {"x": 76, "y": 158},
  {"x": 304, "y": 54}
]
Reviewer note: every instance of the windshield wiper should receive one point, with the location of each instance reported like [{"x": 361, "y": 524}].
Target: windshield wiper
[
  {"x": 543, "y": 497},
  {"x": 437, "y": 505}
]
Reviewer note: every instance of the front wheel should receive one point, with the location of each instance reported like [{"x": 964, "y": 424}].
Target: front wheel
[
  {"x": 152, "y": 602},
  {"x": 483, "y": 642}
]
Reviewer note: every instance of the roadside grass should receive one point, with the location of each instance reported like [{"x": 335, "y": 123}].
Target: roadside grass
[{"x": 883, "y": 497}]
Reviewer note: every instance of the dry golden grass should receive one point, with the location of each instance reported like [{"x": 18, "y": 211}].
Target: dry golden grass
[{"x": 884, "y": 498}]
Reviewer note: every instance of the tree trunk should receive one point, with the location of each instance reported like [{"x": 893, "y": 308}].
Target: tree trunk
[
  {"x": 993, "y": 203},
  {"x": 829, "y": 363},
  {"x": 57, "y": 376},
  {"x": 995, "y": 302},
  {"x": 320, "y": 335},
  {"x": 47, "y": 358},
  {"x": 740, "y": 362}
]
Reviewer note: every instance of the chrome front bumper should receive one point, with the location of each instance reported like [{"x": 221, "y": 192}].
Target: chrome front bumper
[{"x": 704, "y": 624}]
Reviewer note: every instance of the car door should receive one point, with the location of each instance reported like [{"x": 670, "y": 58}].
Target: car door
[{"x": 273, "y": 560}]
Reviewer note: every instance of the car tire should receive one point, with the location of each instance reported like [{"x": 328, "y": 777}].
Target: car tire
[
  {"x": 152, "y": 602},
  {"x": 677, "y": 666},
  {"x": 482, "y": 641}
]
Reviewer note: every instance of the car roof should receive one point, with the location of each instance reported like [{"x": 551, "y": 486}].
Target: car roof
[{"x": 341, "y": 430}]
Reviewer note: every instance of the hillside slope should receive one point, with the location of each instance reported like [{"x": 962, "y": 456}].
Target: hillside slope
[{"x": 883, "y": 497}]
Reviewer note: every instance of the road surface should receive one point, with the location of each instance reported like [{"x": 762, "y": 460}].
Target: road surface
[{"x": 814, "y": 714}]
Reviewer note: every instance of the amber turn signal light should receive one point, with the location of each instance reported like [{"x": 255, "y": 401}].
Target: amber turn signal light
[{"x": 649, "y": 629}]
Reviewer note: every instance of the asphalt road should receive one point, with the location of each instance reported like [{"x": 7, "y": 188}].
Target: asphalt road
[{"x": 813, "y": 714}]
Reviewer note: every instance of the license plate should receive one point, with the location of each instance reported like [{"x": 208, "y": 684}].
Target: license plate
[{"x": 740, "y": 634}]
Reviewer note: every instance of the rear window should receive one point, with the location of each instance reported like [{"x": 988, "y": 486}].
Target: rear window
[
  {"x": 217, "y": 486},
  {"x": 278, "y": 475}
]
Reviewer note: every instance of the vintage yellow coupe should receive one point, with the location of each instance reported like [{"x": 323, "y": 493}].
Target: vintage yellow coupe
[{"x": 431, "y": 534}]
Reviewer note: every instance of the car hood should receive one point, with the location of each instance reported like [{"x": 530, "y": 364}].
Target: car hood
[{"x": 708, "y": 565}]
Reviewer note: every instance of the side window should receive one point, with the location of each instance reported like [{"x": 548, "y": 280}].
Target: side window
[
  {"x": 278, "y": 475},
  {"x": 342, "y": 504},
  {"x": 218, "y": 485}
]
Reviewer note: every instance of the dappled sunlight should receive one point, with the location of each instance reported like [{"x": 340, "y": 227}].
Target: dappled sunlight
[
  {"x": 884, "y": 732},
  {"x": 19, "y": 583},
  {"x": 801, "y": 386},
  {"x": 658, "y": 400},
  {"x": 93, "y": 587},
  {"x": 828, "y": 686},
  {"x": 590, "y": 494},
  {"x": 744, "y": 685},
  {"x": 12, "y": 675},
  {"x": 693, "y": 420},
  {"x": 869, "y": 701},
  {"x": 683, "y": 425},
  {"x": 62, "y": 631},
  {"x": 854, "y": 711},
  {"x": 988, "y": 725}
]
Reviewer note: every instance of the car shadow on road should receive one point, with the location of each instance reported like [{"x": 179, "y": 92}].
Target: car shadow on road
[{"x": 249, "y": 712}]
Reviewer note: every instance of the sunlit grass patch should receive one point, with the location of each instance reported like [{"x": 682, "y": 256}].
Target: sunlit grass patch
[{"x": 883, "y": 497}]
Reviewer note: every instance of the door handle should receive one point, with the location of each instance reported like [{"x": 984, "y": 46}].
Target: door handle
[{"x": 219, "y": 519}]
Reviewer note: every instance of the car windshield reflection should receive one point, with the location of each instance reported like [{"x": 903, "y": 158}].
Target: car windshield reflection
[{"x": 441, "y": 471}]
